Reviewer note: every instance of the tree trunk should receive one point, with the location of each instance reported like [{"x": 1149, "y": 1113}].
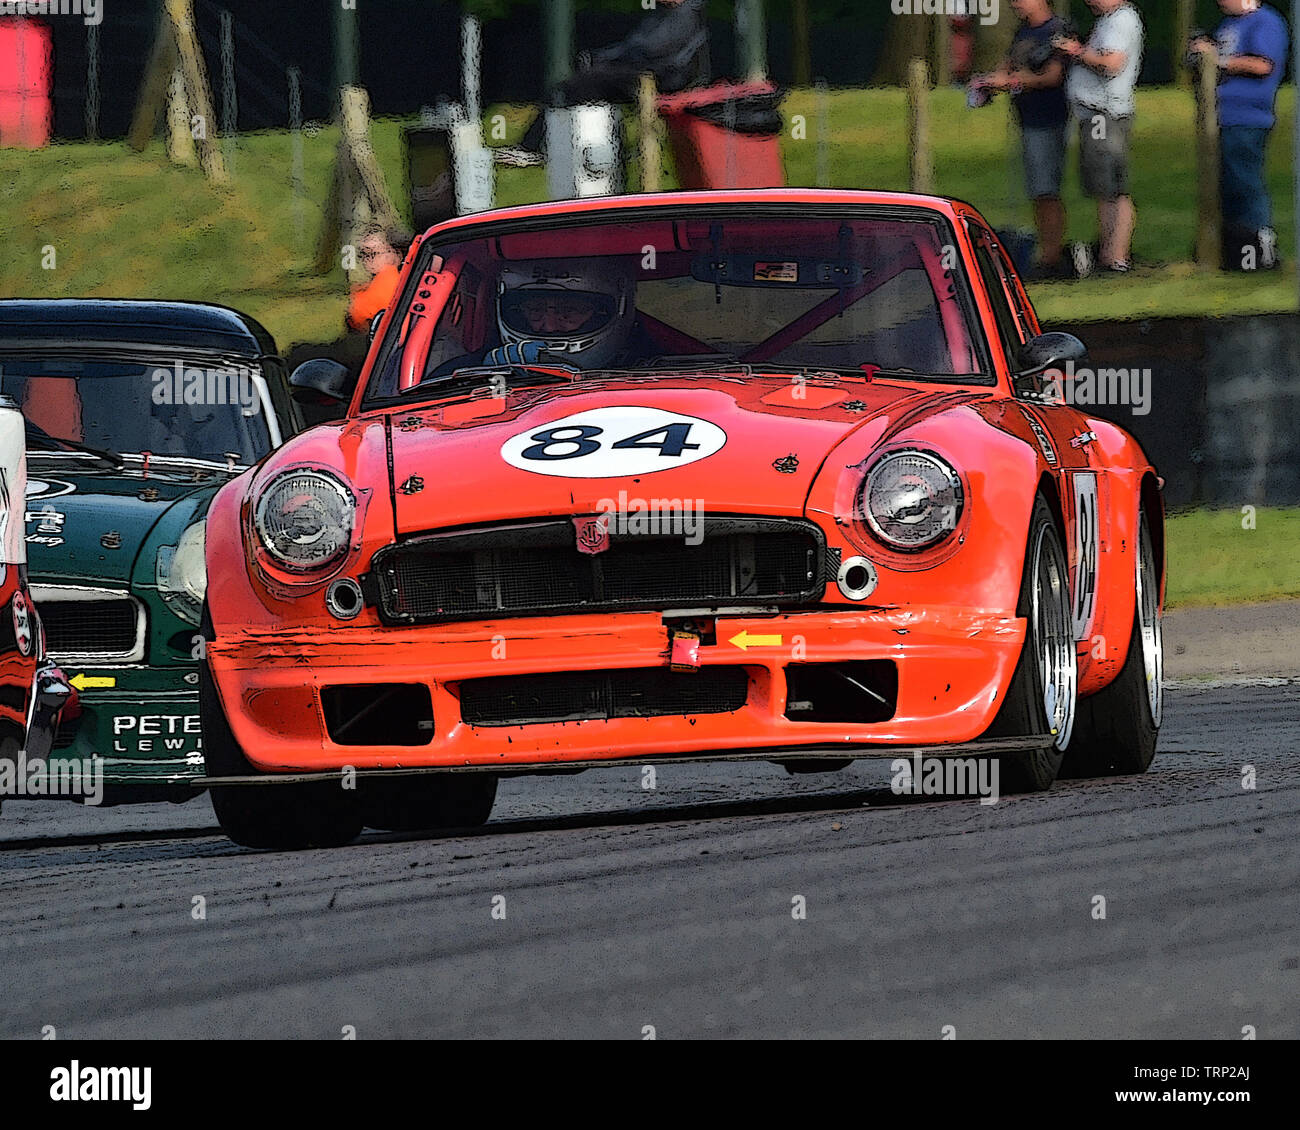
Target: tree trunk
[
  {"x": 802, "y": 45},
  {"x": 909, "y": 38},
  {"x": 941, "y": 66},
  {"x": 1183, "y": 21}
]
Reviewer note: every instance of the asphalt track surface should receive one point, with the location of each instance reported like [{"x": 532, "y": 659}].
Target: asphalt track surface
[{"x": 674, "y": 908}]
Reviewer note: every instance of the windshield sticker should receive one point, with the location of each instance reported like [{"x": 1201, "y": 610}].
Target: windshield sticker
[
  {"x": 607, "y": 443},
  {"x": 776, "y": 272}
]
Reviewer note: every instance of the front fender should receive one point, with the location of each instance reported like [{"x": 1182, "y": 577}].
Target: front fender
[{"x": 981, "y": 565}]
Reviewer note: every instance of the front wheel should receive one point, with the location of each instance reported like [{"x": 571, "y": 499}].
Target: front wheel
[
  {"x": 277, "y": 817},
  {"x": 1042, "y": 698},
  {"x": 1119, "y": 725}
]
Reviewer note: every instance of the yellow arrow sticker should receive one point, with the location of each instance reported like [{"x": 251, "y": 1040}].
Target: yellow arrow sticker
[
  {"x": 84, "y": 682},
  {"x": 745, "y": 641}
]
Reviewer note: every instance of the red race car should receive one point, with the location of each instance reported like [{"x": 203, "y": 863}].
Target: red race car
[{"x": 783, "y": 475}]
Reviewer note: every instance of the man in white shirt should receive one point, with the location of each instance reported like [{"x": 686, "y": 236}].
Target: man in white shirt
[{"x": 1100, "y": 90}]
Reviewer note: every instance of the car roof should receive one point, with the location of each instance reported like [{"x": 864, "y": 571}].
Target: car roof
[
  {"x": 944, "y": 205},
  {"x": 111, "y": 322}
]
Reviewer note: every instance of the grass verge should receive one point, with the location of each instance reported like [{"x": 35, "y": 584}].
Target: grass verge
[{"x": 1216, "y": 559}]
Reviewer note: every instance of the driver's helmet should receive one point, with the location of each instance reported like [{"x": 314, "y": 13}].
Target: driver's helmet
[{"x": 581, "y": 310}]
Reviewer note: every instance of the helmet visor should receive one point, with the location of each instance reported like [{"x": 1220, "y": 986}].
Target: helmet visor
[{"x": 553, "y": 313}]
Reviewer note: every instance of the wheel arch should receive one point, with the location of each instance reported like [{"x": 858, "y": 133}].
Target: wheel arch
[
  {"x": 1050, "y": 489},
  {"x": 1152, "y": 501}
]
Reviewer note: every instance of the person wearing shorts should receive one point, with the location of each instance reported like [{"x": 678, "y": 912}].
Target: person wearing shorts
[
  {"x": 1035, "y": 76},
  {"x": 1101, "y": 90}
]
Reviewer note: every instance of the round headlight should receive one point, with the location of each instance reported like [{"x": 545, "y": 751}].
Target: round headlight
[
  {"x": 182, "y": 572},
  {"x": 304, "y": 520},
  {"x": 911, "y": 500}
]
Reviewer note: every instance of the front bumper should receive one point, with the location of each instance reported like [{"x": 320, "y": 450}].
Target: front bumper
[
  {"x": 953, "y": 667},
  {"x": 145, "y": 725}
]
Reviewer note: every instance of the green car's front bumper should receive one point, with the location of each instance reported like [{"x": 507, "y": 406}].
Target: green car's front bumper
[{"x": 143, "y": 721}]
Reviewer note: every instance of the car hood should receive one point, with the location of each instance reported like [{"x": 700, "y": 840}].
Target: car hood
[
  {"x": 729, "y": 445},
  {"x": 87, "y": 526}
]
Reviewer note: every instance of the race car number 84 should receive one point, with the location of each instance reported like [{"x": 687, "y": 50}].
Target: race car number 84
[{"x": 605, "y": 443}]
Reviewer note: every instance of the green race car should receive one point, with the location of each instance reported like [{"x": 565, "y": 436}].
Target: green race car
[{"x": 136, "y": 414}]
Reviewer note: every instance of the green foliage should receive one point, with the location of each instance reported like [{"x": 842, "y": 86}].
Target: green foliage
[{"x": 129, "y": 225}]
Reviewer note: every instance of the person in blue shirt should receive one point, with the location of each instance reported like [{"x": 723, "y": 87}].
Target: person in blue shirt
[
  {"x": 1250, "y": 48},
  {"x": 1035, "y": 76}
]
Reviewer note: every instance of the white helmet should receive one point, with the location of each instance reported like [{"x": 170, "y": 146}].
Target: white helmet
[{"x": 606, "y": 290}]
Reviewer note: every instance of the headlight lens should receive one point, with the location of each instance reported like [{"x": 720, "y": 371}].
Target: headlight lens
[
  {"x": 183, "y": 573},
  {"x": 911, "y": 500},
  {"x": 305, "y": 519}
]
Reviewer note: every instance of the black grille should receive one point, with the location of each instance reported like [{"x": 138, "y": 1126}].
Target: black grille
[
  {"x": 516, "y": 700},
  {"x": 89, "y": 627},
  {"x": 537, "y": 569}
]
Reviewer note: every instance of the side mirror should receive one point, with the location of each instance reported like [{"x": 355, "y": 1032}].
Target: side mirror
[
  {"x": 1049, "y": 351},
  {"x": 374, "y": 323},
  {"x": 321, "y": 379}
]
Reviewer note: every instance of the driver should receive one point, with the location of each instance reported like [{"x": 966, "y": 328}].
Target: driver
[{"x": 582, "y": 313}]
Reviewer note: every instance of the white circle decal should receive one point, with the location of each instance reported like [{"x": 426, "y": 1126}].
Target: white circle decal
[
  {"x": 48, "y": 488},
  {"x": 608, "y": 443}
]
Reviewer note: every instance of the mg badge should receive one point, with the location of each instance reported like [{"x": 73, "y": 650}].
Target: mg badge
[{"x": 593, "y": 534}]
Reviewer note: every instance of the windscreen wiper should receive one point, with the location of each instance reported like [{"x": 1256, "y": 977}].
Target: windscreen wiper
[{"x": 58, "y": 443}]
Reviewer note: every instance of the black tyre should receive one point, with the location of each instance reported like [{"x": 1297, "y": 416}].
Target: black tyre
[
  {"x": 1042, "y": 698},
  {"x": 1118, "y": 727},
  {"x": 10, "y": 747},
  {"x": 279, "y": 817},
  {"x": 427, "y": 803}
]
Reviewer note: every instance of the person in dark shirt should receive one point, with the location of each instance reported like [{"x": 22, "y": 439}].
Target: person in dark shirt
[
  {"x": 1250, "y": 48},
  {"x": 1035, "y": 76},
  {"x": 671, "y": 42}
]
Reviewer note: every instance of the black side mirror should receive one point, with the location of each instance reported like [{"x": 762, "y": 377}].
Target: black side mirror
[
  {"x": 321, "y": 380},
  {"x": 1049, "y": 351},
  {"x": 374, "y": 323}
]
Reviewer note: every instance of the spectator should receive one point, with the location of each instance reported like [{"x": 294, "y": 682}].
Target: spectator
[
  {"x": 1035, "y": 75},
  {"x": 670, "y": 42},
  {"x": 1250, "y": 47},
  {"x": 380, "y": 251},
  {"x": 1100, "y": 89},
  {"x": 963, "y": 48}
]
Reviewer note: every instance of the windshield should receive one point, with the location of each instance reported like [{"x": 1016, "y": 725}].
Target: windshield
[
  {"x": 652, "y": 291},
  {"x": 209, "y": 410}
]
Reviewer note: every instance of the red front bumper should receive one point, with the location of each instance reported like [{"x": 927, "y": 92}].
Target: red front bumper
[{"x": 953, "y": 667}]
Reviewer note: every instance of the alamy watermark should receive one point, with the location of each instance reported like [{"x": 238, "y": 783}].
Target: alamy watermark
[
  {"x": 1130, "y": 388},
  {"x": 662, "y": 517},
  {"x": 986, "y": 10},
  {"x": 230, "y": 384},
  {"x": 946, "y": 776},
  {"x": 90, "y": 11},
  {"x": 68, "y": 777}
]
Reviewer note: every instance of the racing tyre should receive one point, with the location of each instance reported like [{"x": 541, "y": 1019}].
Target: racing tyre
[
  {"x": 279, "y": 817},
  {"x": 428, "y": 803},
  {"x": 10, "y": 747},
  {"x": 1043, "y": 696},
  {"x": 1118, "y": 726}
]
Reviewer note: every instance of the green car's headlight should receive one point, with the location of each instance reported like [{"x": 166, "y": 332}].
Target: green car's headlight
[
  {"x": 183, "y": 574},
  {"x": 304, "y": 520}
]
